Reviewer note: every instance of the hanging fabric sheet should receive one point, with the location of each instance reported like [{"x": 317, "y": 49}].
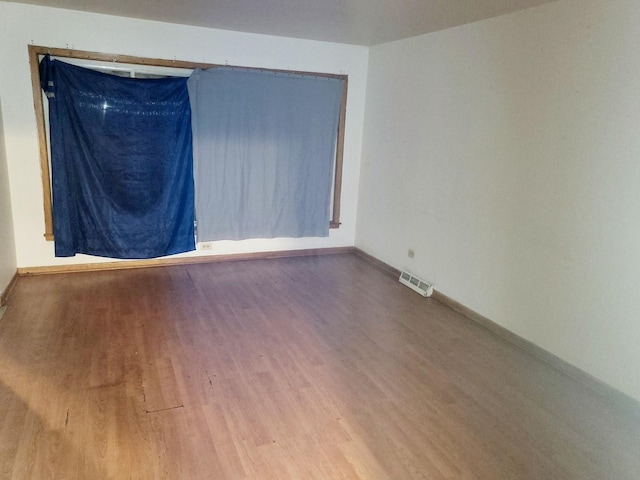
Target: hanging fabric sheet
[
  {"x": 121, "y": 162},
  {"x": 264, "y": 150}
]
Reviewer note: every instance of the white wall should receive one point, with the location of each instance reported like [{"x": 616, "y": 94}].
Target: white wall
[
  {"x": 507, "y": 154},
  {"x": 21, "y": 25},
  {"x": 7, "y": 245}
]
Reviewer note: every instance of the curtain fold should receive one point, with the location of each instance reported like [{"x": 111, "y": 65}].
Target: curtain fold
[
  {"x": 121, "y": 163},
  {"x": 264, "y": 151}
]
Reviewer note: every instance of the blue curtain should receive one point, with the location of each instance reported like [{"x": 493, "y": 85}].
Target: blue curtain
[
  {"x": 121, "y": 163},
  {"x": 264, "y": 151}
]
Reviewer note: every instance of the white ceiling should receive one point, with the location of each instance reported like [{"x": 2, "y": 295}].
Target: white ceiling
[{"x": 359, "y": 22}]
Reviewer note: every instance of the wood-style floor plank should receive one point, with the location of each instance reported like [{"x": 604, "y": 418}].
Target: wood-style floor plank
[{"x": 300, "y": 368}]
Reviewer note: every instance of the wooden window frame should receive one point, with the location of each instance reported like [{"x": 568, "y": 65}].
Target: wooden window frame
[{"x": 36, "y": 51}]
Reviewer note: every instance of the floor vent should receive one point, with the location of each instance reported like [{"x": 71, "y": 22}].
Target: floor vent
[{"x": 414, "y": 283}]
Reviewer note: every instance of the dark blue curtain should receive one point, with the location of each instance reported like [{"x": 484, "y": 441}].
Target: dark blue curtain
[{"x": 121, "y": 162}]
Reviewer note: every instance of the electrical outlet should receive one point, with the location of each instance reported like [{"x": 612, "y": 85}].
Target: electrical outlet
[
  {"x": 206, "y": 246},
  {"x": 411, "y": 253}
]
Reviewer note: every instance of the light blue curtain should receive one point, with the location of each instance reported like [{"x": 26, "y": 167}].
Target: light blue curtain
[{"x": 264, "y": 149}]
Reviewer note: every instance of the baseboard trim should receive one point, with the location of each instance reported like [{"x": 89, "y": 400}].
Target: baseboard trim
[
  {"x": 385, "y": 267},
  {"x": 166, "y": 262},
  {"x": 617, "y": 397},
  {"x": 621, "y": 399},
  {"x": 7, "y": 291}
]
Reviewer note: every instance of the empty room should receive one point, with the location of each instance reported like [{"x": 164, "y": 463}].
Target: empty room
[{"x": 376, "y": 240}]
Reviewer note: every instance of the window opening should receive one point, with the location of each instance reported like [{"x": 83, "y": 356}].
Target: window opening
[{"x": 143, "y": 67}]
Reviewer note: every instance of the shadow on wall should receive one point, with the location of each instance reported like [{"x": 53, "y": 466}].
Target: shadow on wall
[{"x": 7, "y": 241}]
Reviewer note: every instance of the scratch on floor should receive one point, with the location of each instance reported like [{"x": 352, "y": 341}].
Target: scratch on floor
[{"x": 164, "y": 409}]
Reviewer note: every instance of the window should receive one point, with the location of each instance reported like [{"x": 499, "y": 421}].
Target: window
[{"x": 116, "y": 62}]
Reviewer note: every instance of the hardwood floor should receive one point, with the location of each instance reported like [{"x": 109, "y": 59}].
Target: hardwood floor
[{"x": 301, "y": 368}]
